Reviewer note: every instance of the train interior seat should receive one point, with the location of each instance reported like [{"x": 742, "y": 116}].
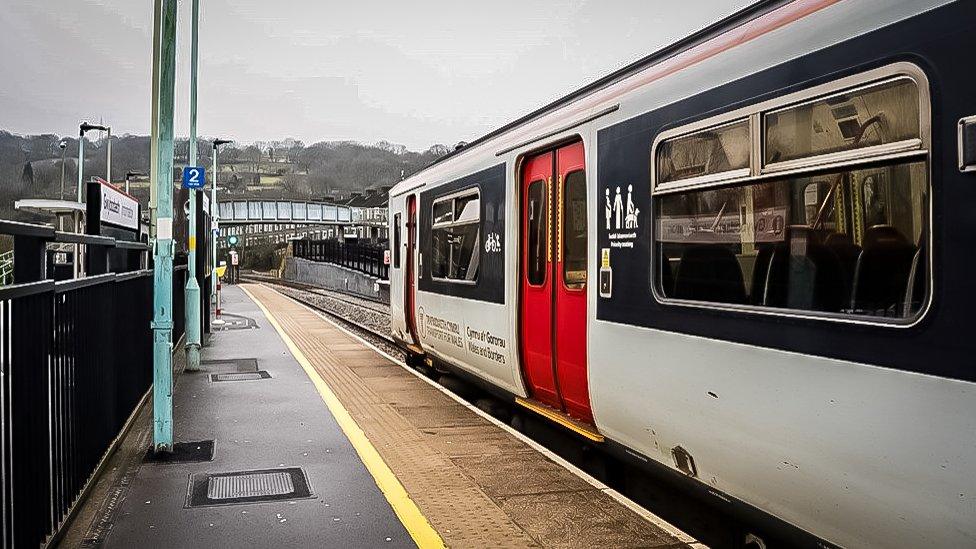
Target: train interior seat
[
  {"x": 809, "y": 270},
  {"x": 881, "y": 274},
  {"x": 801, "y": 273},
  {"x": 667, "y": 276},
  {"x": 847, "y": 252},
  {"x": 760, "y": 274},
  {"x": 915, "y": 289},
  {"x": 709, "y": 272}
]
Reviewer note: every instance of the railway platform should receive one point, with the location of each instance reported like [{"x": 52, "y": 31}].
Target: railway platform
[{"x": 297, "y": 433}]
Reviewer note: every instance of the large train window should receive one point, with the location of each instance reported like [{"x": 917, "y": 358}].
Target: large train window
[
  {"x": 831, "y": 218},
  {"x": 455, "y": 236}
]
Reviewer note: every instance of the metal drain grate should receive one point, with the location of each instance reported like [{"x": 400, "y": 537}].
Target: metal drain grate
[
  {"x": 249, "y": 486},
  {"x": 241, "y": 376},
  {"x": 241, "y": 487}
]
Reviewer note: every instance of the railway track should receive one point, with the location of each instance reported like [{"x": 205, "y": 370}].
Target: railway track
[
  {"x": 373, "y": 304},
  {"x": 704, "y": 520},
  {"x": 368, "y": 319}
]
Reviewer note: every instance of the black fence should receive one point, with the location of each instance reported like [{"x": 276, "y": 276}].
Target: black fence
[
  {"x": 361, "y": 257},
  {"x": 179, "y": 302},
  {"x": 76, "y": 358}
]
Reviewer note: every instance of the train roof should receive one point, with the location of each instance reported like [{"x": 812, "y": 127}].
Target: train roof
[{"x": 711, "y": 31}]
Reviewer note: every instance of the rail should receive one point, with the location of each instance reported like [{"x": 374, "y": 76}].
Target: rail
[
  {"x": 360, "y": 257},
  {"x": 76, "y": 360}
]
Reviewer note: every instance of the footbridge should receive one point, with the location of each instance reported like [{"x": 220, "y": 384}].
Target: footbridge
[
  {"x": 254, "y": 222},
  {"x": 241, "y": 212}
]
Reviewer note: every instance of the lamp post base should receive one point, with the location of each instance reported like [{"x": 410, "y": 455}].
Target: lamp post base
[{"x": 192, "y": 325}]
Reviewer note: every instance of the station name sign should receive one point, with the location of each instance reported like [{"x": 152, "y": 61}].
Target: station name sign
[{"x": 118, "y": 208}]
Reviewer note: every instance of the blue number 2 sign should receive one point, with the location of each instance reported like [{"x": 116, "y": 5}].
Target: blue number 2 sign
[{"x": 193, "y": 177}]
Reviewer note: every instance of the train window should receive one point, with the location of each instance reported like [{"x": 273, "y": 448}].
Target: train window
[
  {"x": 574, "y": 230},
  {"x": 455, "y": 237},
  {"x": 852, "y": 251},
  {"x": 813, "y": 235},
  {"x": 721, "y": 152},
  {"x": 871, "y": 116},
  {"x": 443, "y": 212},
  {"x": 466, "y": 208},
  {"x": 396, "y": 241},
  {"x": 537, "y": 234}
]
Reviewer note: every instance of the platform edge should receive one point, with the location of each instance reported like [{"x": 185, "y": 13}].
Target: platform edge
[{"x": 416, "y": 524}]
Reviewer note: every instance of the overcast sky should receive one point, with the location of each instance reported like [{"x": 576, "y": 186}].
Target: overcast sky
[{"x": 415, "y": 73}]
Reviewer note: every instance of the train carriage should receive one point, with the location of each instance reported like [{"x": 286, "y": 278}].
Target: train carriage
[{"x": 743, "y": 258}]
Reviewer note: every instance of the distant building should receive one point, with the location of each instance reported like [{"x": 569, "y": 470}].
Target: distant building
[{"x": 369, "y": 214}]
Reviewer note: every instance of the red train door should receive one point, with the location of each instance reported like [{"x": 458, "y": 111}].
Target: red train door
[
  {"x": 537, "y": 296},
  {"x": 409, "y": 280},
  {"x": 553, "y": 280},
  {"x": 570, "y": 281}
]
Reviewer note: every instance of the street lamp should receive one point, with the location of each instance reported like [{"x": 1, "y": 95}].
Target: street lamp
[
  {"x": 129, "y": 176},
  {"x": 215, "y": 216},
  {"x": 108, "y": 158},
  {"x": 84, "y": 127},
  {"x": 63, "y": 145},
  {"x": 192, "y": 291}
]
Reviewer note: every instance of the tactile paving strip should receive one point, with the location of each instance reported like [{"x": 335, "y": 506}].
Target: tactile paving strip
[{"x": 478, "y": 485}]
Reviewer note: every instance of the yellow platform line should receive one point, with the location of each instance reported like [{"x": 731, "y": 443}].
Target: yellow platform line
[{"x": 406, "y": 510}]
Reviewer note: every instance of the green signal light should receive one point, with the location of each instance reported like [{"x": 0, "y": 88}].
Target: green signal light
[{"x": 232, "y": 240}]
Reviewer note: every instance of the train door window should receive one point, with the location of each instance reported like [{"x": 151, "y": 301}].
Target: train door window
[
  {"x": 396, "y": 241},
  {"x": 455, "y": 236},
  {"x": 574, "y": 230},
  {"x": 830, "y": 220},
  {"x": 537, "y": 233}
]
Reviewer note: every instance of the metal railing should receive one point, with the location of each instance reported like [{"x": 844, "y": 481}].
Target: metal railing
[
  {"x": 76, "y": 360},
  {"x": 365, "y": 258}
]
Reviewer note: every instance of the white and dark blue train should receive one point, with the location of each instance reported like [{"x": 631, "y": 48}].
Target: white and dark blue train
[{"x": 744, "y": 258}]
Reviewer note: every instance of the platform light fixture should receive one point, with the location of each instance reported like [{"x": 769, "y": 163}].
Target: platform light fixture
[
  {"x": 84, "y": 128},
  {"x": 129, "y": 176},
  {"x": 214, "y": 216}
]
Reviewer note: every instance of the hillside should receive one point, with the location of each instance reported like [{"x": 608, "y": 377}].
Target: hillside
[{"x": 30, "y": 166}]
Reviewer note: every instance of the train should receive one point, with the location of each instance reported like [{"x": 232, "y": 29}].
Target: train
[{"x": 741, "y": 260}]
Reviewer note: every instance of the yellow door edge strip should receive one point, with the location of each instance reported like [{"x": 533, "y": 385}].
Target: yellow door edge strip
[
  {"x": 576, "y": 427},
  {"x": 406, "y": 510}
]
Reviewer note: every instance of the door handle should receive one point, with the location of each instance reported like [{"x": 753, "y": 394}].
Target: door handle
[
  {"x": 559, "y": 219},
  {"x": 549, "y": 220}
]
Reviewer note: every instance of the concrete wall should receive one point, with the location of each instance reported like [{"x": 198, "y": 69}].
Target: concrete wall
[{"x": 334, "y": 277}]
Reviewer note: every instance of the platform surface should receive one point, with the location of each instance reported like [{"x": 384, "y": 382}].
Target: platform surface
[
  {"x": 265, "y": 424},
  {"x": 391, "y": 460}
]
